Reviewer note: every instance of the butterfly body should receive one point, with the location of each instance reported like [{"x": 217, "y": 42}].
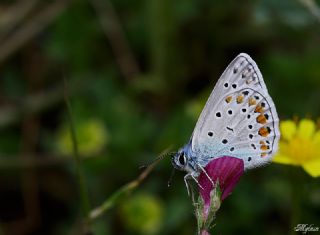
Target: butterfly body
[{"x": 238, "y": 120}]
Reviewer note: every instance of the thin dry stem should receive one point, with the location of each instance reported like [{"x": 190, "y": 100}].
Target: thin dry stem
[
  {"x": 123, "y": 192},
  {"x": 32, "y": 27},
  {"x": 10, "y": 18},
  {"x": 114, "y": 32},
  {"x": 313, "y": 8}
]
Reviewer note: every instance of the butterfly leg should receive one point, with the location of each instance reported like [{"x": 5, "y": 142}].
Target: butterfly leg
[
  {"x": 194, "y": 178},
  {"x": 188, "y": 176},
  {"x": 204, "y": 171}
]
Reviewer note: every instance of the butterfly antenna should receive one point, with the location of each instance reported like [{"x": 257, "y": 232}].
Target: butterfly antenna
[
  {"x": 157, "y": 159},
  {"x": 171, "y": 176}
]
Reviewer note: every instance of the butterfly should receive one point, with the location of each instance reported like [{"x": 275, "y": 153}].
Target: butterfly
[{"x": 238, "y": 120}]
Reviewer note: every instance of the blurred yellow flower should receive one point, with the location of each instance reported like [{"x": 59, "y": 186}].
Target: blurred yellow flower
[
  {"x": 91, "y": 138},
  {"x": 143, "y": 213},
  {"x": 300, "y": 145}
]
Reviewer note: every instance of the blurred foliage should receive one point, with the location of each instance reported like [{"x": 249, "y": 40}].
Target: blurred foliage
[
  {"x": 125, "y": 120},
  {"x": 142, "y": 213}
]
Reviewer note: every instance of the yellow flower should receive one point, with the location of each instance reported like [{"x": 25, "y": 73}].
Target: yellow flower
[
  {"x": 92, "y": 137},
  {"x": 300, "y": 145}
]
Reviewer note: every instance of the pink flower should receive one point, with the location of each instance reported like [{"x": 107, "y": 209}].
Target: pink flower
[{"x": 224, "y": 172}]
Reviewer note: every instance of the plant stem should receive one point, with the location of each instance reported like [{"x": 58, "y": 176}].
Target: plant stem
[
  {"x": 123, "y": 192},
  {"x": 85, "y": 206}
]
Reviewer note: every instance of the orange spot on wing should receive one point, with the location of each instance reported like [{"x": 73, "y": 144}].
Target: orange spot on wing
[
  {"x": 263, "y": 154},
  {"x": 263, "y": 131},
  {"x": 264, "y": 147},
  {"x": 261, "y": 119},
  {"x": 240, "y": 99},
  {"x": 228, "y": 99},
  {"x": 259, "y": 109},
  {"x": 252, "y": 101}
]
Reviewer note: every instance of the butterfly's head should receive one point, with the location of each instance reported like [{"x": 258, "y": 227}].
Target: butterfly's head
[{"x": 181, "y": 161}]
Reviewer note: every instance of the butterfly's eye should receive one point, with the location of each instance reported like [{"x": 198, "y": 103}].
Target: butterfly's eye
[{"x": 182, "y": 159}]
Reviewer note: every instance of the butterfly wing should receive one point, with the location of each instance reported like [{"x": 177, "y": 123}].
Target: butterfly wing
[{"x": 239, "y": 118}]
